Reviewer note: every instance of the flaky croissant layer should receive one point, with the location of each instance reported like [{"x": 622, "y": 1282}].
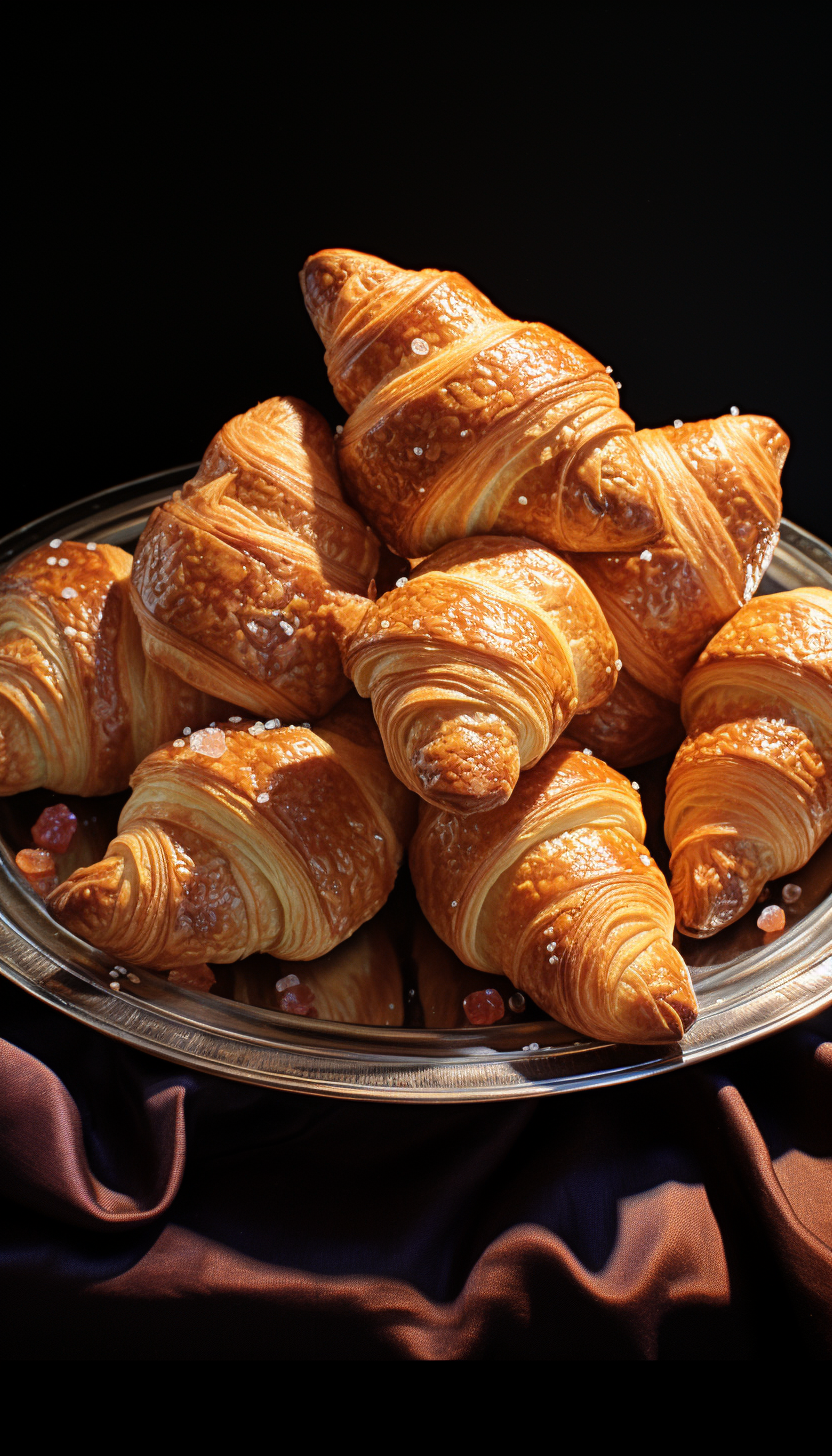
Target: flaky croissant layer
[
  {"x": 80, "y": 703},
  {"x": 476, "y": 664},
  {"x": 749, "y": 795},
  {"x": 249, "y": 578},
  {"x": 555, "y": 890},
  {"x": 463, "y": 421},
  {"x": 720, "y": 498},
  {"x": 243, "y": 839}
]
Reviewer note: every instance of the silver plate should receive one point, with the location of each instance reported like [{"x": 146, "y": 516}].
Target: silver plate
[{"x": 746, "y": 988}]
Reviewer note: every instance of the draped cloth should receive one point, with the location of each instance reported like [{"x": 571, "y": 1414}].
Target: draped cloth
[{"x": 148, "y": 1212}]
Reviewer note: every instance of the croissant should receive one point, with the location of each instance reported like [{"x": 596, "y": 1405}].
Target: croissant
[
  {"x": 555, "y": 890},
  {"x": 244, "y": 582},
  {"x": 80, "y": 703},
  {"x": 477, "y": 664},
  {"x": 246, "y": 839},
  {"x": 749, "y": 795},
  {"x": 359, "y": 982},
  {"x": 721, "y": 502},
  {"x": 463, "y": 421}
]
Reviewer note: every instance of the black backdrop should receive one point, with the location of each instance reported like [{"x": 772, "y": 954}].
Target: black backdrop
[{"x": 653, "y": 191}]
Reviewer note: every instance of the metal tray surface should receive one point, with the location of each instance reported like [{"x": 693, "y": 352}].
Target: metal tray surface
[{"x": 389, "y": 1021}]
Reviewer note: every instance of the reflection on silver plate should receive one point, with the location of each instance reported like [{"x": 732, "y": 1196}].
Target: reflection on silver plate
[{"x": 382, "y": 1015}]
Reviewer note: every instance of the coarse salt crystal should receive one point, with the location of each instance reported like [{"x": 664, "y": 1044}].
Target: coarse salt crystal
[
  {"x": 114, "y": 985},
  {"x": 385, "y": 623},
  {"x": 402, "y": 581},
  {"x": 771, "y": 919},
  {"x": 645, "y": 859},
  {"x": 634, "y": 785},
  {"x": 186, "y": 732},
  {"x": 56, "y": 543},
  {"x": 618, "y": 664},
  {"x": 339, "y": 429},
  {"x": 209, "y": 741},
  {"x": 51, "y": 561},
  {"x": 588, "y": 752},
  {"x": 262, "y": 798},
  {"x": 618, "y": 383},
  {"x": 462, "y": 434},
  {"x": 417, "y": 623},
  {"x": 272, "y": 722},
  {"x": 677, "y": 424},
  {"x": 179, "y": 743},
  {"x": 417, "y": 450},
  {"x": 287, "y": 628},
  {"x": 608, "y": 670},
  {"x": 791, "y": 893},
  {"x": 646, "y": 556},
  {"x": 522, "y": 500},
  {"x": 68, "y": 593},
  {"x": 285, "y": 982},
  {"x": 734, "y": 410},
  {"x": 420, "y": 346},
  {"x": 63, "y": 561},
  {"x": 235, "y": 719},
  {"x": 533, "y": 1046},
  {"x": 92, "y": 546},
  {"x": 609, "y": 369}
]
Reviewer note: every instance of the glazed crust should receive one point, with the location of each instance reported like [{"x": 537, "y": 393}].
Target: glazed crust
[
  {"x": 285, "y": 841},
  {"x": 555, "y": 890},
  {"x": 80, "y": 703},
  {"x": 721, "y": 503},
  {"x": 749, "y": 795},
  {"x": 249, "y": 577},
  {"x": 476, "y": 665},
  {"x": 463, "y": 421}
]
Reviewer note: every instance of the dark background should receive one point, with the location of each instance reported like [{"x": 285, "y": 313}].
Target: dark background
[{"x": 653, "y": 188}]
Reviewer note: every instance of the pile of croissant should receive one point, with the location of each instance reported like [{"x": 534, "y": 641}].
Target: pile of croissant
[{"x": 565, "y": 597}]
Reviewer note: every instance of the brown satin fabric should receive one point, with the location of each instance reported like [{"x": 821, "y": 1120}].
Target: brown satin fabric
[{"x": 152, "y": 1213}]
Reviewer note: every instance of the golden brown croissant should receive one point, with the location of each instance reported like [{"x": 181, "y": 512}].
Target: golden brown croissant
[
  {"x": 555, "y": 890},
  {"x": 721, "y": 502},
  {"x": 80, "y": 703},
  {"x": 359, "y": 982},
  {"x": 463, "y": 421},
  {"x": 477, "y": 664},
  {"x": 749, "y": 796},
  {"x": 245, "y": 580},
  {"x": 246, "y": 839}
]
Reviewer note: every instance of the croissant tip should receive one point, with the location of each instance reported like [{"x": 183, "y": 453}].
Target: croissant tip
[
  {"x": 708, "y": 890},
  {"x": 464, "y": 764}
]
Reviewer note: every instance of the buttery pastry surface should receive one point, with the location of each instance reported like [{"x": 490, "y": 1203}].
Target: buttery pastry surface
[
  {"x": 284, "y": 841},
  {"x": 247, "y": 579},
  {"x": 555, "y": 890},
  {"x": 749, "y": 795},
  {"x": 463, "y": 421},
  {"x": 80, "y": 703},
  {"x": 477, "y": 663},
  {"x": 721, "y": 502}
]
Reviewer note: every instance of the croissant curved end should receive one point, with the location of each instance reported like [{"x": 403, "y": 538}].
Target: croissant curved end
[
  {"x": 654, "y": 1000},
  {"x": 710, "y": 886},
  {"x": 465, "y": 763},
  {"x": 89, "y": 902}
]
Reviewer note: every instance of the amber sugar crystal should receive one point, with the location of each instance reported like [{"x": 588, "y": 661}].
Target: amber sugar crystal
[
  {"x": 54, "y": 828},
  {"x": 38, "y": 866}
]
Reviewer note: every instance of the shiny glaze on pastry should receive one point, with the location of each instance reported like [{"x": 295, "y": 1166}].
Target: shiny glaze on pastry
[
  {"x": 556, "y": 891},
  {"x": 721, "y": 503},
  {"x": 463, "y": 421},
  {"x": 80, "y": 703},
  {"x": 749, "y": 795},
  {"x": 476, "y": 665},
  {"x": 244, "y": 839},
  {"x": 246, "y": 580}
]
